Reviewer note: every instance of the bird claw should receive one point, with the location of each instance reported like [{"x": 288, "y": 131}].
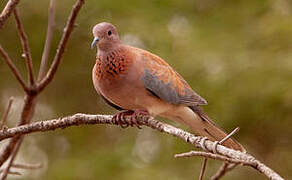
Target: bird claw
[
  {"x": 120, "y": 118},
  {"x": 132, "y": 121}
]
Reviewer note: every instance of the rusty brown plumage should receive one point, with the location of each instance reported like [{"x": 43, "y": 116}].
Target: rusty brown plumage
[
  {"x": 136, "y": 80},
  {"x": 111, "y": 66}
]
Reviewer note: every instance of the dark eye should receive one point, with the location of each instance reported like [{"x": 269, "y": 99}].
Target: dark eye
[{"x": 109, "y": 33}]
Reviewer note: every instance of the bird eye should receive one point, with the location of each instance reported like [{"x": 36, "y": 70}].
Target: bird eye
[{"x": 109, "y": 33}]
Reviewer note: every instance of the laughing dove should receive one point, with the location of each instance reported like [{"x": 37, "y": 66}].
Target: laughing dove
[{"x": 137, "y": 81}]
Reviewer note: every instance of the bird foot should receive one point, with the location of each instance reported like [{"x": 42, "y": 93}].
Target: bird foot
[
  {"x": 120, "y": 117},
  {"x": 132, "y": 121}
]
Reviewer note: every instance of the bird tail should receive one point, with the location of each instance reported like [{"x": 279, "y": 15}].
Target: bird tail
[{"x": 201, "y": 124}]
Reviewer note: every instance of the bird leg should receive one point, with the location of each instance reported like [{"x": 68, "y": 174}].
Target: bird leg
[
  {"x": 120, "y": 117},
  {"x": 137, "y": 113},
  {"x": 132, "y": 121}
]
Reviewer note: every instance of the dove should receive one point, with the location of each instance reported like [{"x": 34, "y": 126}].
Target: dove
[{"x": 137, "y": 82}]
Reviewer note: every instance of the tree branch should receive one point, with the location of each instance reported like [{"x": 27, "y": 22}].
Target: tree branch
[
  {"x": 49, "y": 36},
  {"x": 13, "y": 156},
  {"x": 26, "y": 115},
  {"x": 11, "y": 172},
  {"x": 214, "y": 156},
  {"x": 197, "y": 141},
  {"x": 11, "y": 149},
  {"x": 61, "y": 47},
  {"x": 6, "y": 12},
  {"x": 6, "y": 112},
  {"x": 25, "y": 47},
  {"x": 27, "y": 166},
  {"x": 203, "y": 168},
  {"x": 223, "y": 170},
  {"x": 13, "y": 68}
]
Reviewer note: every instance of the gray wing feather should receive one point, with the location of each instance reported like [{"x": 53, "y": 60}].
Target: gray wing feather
[{"x": 168, "y": 93}]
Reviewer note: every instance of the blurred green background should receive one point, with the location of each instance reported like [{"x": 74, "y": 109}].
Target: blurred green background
[{"x": 236, "y": 54}]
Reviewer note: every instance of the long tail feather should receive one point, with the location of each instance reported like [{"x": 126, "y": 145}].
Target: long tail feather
[
  {"x": 212, "y": 131},
  {"x": 201, "y": 124}
]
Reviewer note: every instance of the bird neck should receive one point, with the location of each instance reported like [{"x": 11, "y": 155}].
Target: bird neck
[
  {"x": 106, "y": 54},
  {"x": 109, "y": 45}
]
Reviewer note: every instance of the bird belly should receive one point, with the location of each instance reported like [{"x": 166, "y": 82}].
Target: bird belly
[
  {"x": 132, "y": 95},
  {"x": 120, "y": 94},
  {"x": 120, "y": 90}
]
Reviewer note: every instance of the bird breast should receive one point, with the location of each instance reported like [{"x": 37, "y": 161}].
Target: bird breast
[{"x": 115, "y": 77}]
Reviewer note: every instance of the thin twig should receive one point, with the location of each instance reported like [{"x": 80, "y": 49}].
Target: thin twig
[
  {"x": 14, "y": 153},
  {"x": 26, "y": 115},
  {"x": 62, "y": 45},
  {"x": 223, "y": 170},
  {"x": 6, "y": 112},
  {"x": 214, "y": 149},
  {"x": 224, "y": 153},
  {"x": 229, "y": 135},
  {"x": 226, "y": 166},
  {"x": 49, "y": 36},
  {"x": 11, "y": 172},
  {"x": 27, "y": 166},
  {"x": 25, "y": 47},
  {"x": 213, "y": 156},
  {"x": 6, "y": 12},
  {"x": 7, "y": 150},
  {"x": 203, "y": 168},
  {"x": 13, "y": 68}
]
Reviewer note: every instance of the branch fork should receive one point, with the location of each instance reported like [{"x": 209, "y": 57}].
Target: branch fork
[{"x": 213, "y": 154}]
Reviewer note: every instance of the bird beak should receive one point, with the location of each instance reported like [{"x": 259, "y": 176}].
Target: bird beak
[{"x": 95, "y": 40}]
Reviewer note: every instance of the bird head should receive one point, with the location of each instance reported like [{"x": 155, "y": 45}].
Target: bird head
[{"x": 105, "y": 36}]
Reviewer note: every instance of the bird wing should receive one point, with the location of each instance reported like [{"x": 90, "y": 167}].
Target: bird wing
[{"x": 164, "y": 82}]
